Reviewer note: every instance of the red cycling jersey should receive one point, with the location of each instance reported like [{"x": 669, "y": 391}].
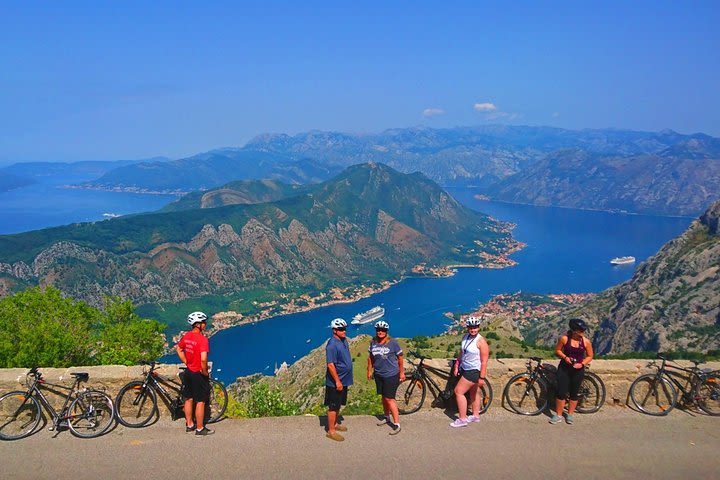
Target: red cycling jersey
[{"x": 193, "y": 344}]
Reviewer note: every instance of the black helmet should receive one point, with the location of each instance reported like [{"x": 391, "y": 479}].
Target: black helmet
[{"x": 577, "y": 324}]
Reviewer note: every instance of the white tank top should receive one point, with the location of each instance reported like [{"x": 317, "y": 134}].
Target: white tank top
[{"x": 470, "y": 359}]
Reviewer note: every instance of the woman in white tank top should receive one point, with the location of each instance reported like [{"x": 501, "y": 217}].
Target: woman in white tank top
[{"x": 471, "y": 365}]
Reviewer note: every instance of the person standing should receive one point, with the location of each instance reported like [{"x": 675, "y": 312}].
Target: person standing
[
  {"x": 471, "y": 366},
  {"x": 385, "y": 363},
  {"x": 193, "y": 351},
  {"x": 338, "y": 377},
  {"x": 575, "y": 352}
]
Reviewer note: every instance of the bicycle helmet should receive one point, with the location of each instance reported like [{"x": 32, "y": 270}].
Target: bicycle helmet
[
  {"x": 577, "y": 324},
  {"x": 338, "y": 323},
  {"x": 196, "y": 317},
  {"x": 382, "y": 324},
  {"x": 472, "y": 322}
]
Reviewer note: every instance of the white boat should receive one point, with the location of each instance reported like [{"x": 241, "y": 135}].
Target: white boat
[
  {"x": 366, "y": 317},
  {"x": 622, "y": 260}
]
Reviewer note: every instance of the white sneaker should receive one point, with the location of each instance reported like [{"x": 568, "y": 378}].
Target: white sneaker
[
  {"x": 459, "y": 423},
  {"x": 473, "y": 419}
]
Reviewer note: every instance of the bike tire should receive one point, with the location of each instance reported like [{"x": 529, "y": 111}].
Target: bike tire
[
  {"x": 91, "y": 414},
  {"x": 707, "y": 394},
  {"x": 591, "y": 394},
  {"x": 411, "y": 395},
  {"x": 135, "y": 405},
  {"x": 218, "y": 401},
  {"x": 486, "y": 397},
  {"x": 653, "y": 395},
  {"x": 525, "y": 395},
  {"x": 19, "y": 415}
]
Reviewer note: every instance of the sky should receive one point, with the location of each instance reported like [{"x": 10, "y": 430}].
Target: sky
[{"x": 127, "y": 80}]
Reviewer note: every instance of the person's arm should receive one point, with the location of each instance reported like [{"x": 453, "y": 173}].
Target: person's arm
[
  {"x": 588, "y": 352},
  {"x": 560, "y": 353},
  {"x": 484, "y": 356},
  {"x": 333, "y": 373},
  {"x": 456, "y": 367},
  {"x": 179, "y": 348},
  {"x": 401, "y": 367},
  {"x": 370, "y": 367},
  {"x": 204, "y": 364}
]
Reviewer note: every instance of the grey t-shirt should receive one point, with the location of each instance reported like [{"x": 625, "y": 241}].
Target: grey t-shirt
[{"x": 384, "y": 357}]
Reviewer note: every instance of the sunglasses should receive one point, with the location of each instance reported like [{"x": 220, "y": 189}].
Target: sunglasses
[
  {"x": 381, "y": 329},
  {"x": 342, "y": 329}
]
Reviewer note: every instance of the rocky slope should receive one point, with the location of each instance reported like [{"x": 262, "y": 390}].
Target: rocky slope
[
  {"x": 367, "y": 224},
  {"x": 672, "y": 301},
  {"x": 677, "y": 181}
]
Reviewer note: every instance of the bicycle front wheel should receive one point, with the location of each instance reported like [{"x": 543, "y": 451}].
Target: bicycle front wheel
[
  {"x": 591, "y": 395},
  {"x": 136, "y": 405},
  {"x": 707, "y": 394},
  {"x": 19, "y": 415},
  {"x": 653, "y": 394},
  {"x": 486, "y": 397},
  {"x": 91, "y": 414},
  {"x": 526, "y": 395},
  {"x": 218, "y": 401},
  {"x": 411, "y": 395}
]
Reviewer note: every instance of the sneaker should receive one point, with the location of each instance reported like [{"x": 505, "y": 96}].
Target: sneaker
[
  {"x": 205, "y": 431},
  {"x": 383, "y": 422},
  {"x": 335, "y": 436},
  {"x": 190, "y": 429},
  {"x": 569, "y": 419},
  {"x": 395, "y": 428},
  {"x": 341, "y": 428},
  {"x": 459, "y": 423},
  {"x": 473, "y": 419},
  {"x": 555, "y": 419}
]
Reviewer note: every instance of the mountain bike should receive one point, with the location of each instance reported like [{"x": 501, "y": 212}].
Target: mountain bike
[
  {"x": 137, "y": 402},
  {"x": 657, "y": 393},
  {"x": 413, "y": 390},
  {"x": 529, "y": 393},
  {"x": 88, "y": 413}
]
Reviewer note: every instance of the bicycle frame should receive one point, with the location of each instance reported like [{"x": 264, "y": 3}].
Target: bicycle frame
[
  {"x": 155, "y": 381},
  {"x": 421, "y": 372},
  {"x": 694, "y": 376},
  {"x": 57, "y": 416}
]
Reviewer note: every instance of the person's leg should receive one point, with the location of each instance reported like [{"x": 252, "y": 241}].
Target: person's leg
[
  {"x": 475, "y": 400},
  {"x": 188, "y": 409},
  {"x": 332, "y": 420},
  {"x": 563, "y": 388},
  {"x": 200, "y": 415},
  {"x": 393, "y": 409},
  {"x": 575, "y": 381},
  {"x": 461, "y": 389}
]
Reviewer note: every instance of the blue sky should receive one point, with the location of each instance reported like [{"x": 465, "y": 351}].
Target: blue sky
[{"x": 121, "y": 80}]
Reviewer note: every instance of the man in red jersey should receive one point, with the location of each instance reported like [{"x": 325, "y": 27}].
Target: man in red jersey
[{"x": 193, "y": 350}]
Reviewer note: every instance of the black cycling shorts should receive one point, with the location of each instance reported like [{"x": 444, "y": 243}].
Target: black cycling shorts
[
  {"x": 334, "y": 398},
  {"x": 471, "y": 375},
  {"x": 196, "y": 386},
  {"x": 387, "y": 386}
]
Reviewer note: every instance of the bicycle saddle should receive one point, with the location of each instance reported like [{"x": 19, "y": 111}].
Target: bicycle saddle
[{"x": 82, "y": 376}]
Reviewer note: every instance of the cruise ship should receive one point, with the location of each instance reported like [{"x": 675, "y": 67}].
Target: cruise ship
[
  {"x": 622, "y": 260},
  {"x": 372, "y": 314}
]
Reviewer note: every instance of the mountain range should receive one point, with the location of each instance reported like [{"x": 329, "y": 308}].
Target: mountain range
[
  {"x": 500, "y": 160},
  {"x": 369, "y": 223},
  {"x": 672, "y": 302}
]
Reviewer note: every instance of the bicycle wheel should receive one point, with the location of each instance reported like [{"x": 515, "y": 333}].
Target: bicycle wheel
[
  {"x": 411, "y": 395},
  {"x": 525, "y": 395},
  {"x": 19, "y": 415},
  {"x": 591, "y": 394},
  {"x": 653, "y": 394},
  {"x": 136, "y": 405},
  {"x": 707, "y": 395},
  {"x": 91, "y": 414},
  {"x": 218, "y": 401},
  {"x": 486, "y": 397}
]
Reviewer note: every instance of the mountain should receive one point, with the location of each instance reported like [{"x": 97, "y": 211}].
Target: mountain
[
  {"x": 672, "y": 302},
  {"x": 369, "y": 223},
  {"x": 241, "y": 192},
  {"x": 85, "y": 169},
  {"x": 653, "y": 184},
  {"x": 458, "y": 156},
  {"x": 212, "y": 169},
  {"x": 8, "y": 181}
]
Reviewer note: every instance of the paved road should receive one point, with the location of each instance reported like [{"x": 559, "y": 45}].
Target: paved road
[{"x": 612, "y": 444}]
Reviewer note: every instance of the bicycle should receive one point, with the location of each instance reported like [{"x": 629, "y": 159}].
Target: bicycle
[
  {"x": 88, "y": 413},
  {"x": 413, "y": 390},
  {"x": 657, "y": 393},
  {"x": 137, "y": 402},
  {"x": 528, "y": 393}
]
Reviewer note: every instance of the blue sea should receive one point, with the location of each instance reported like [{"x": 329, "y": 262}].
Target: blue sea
[{"x": 567, "y": 251}]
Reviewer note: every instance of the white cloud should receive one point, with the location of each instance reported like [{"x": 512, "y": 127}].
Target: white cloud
[
  {"x": 431, "y": 112},
  {"x": 485, "y": 107}
]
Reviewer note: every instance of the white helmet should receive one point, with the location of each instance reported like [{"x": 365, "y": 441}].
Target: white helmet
[
  {"x": 338, "y": 323},
  {"x": 472, "y": 322},
  {"x": 382, "y": 324},
  {"x": 196, "y": 317}
]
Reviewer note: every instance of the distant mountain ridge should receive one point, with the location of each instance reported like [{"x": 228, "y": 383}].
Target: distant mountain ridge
[
  {"x": 672, "y": 302},
  {"x": 479, "y": 156},
  {"x": 367, "y": 224}
]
